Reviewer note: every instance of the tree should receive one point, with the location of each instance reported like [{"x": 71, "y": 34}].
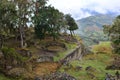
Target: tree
[
  {"x": 71, "y": 24},
  {"x": 7, "y": 19},
  {"x": 106, "y": 29},
  {"x": 48, "y": 20},
  {"x": 113, "y": 32},
  {"x": 23, "y": 15},
  {"x": 55, "y": 22},
  {"x": 39, "y": 17}
]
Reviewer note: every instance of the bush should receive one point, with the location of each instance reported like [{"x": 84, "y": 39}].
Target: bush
[{"x": 10, "y": 53}]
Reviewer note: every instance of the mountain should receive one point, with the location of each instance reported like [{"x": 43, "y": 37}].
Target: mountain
[
  {"x": 91, "y": 30},
  {"x": 96, "y": 21}
]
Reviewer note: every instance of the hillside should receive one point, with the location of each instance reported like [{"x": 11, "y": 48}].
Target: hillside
[
  {"x": 90, "y": 28},
  {"x": 95, "y": 21}
]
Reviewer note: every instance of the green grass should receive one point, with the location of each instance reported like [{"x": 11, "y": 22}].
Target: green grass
[
  {"x": 62, "y": 54},
  {"x": 2, "y": 77},
  {"x": 104, "y": 47},
  {"x": 98, "y": 62}
]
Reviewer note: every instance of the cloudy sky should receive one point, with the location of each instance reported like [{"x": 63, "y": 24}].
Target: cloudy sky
[{"x": 84, "y": 8}]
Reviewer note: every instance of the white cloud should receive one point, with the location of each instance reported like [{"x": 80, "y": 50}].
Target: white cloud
[{"x": 75, "y": 7}]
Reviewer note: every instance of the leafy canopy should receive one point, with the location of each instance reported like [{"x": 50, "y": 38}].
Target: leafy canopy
[{"x": 113, "y": 32}]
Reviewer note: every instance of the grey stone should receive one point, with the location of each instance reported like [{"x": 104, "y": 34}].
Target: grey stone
[
  {"x": 78, "y": 68},
  {"x": 56, "y": 76},
  {"x": 45, "y": 59},
  {"x": 1, "y": 54}
]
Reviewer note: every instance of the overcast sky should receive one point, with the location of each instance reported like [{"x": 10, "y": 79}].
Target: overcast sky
[{"x": 84, "y": 8}]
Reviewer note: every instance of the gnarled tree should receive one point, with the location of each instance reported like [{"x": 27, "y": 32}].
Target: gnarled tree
[{"x": 71, "y": 24}]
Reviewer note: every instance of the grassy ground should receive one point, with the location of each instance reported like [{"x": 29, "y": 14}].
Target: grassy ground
[
  {"x": 62, "y": 54},
  {"x": 97, "y": 61},
  {"x": 104, "y": 47}
]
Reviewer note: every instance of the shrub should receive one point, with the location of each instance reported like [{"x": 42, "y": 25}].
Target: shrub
[{"x": 10, "y": 53}]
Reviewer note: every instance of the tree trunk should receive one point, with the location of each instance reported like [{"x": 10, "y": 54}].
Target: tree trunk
[
  {"x": 71, "y": 33},
  {"x": 21, "y": 37},
  {"x": 65, "y": 31},
  {"x": 1, "y": 41},
  {"x": 54, "y": 38}
]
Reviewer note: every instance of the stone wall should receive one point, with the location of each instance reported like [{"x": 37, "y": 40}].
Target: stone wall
[{"x": 76, "y": 54}]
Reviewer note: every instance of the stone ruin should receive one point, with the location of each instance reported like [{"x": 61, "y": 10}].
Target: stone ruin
[
  {"x": 113, "y": 77},
  {"x": 56, "y": 76}
]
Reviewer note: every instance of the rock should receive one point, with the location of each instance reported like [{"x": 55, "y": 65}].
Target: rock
[
  {"x": 92, "y": 76},
  {"x": 37, "y": 78},
  {"x": 107, "y": 76},
  {"x": 15, "y": 63},
  {"x": 115, "y": 64},
  {"x": 2, "y": 60},
  {"x": 112, "y": 77},
  {"x": 25, "y": 52},
  {"x": 113, "y": 67},
  {"x": 56, "y": 76},
  {"x": 45, "y": 59},
  {"x": 54, "y": 47},
  {"x": 89, "y": 68},
  {"x": 117, "y": 75},
  {"x": 78, "y": 68},
  {"x": 8, "y": 67},
  {"x": 16, "y": 72},
  {"x": 1, "y": 55}
]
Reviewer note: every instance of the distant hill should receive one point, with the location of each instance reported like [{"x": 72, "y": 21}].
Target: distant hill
[
  {"x": 91, "y": 30},
  {"x": 95, "y": 22}
]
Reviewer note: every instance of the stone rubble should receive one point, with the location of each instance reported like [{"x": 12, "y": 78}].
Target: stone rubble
[{"x": 56, "y": 76}]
